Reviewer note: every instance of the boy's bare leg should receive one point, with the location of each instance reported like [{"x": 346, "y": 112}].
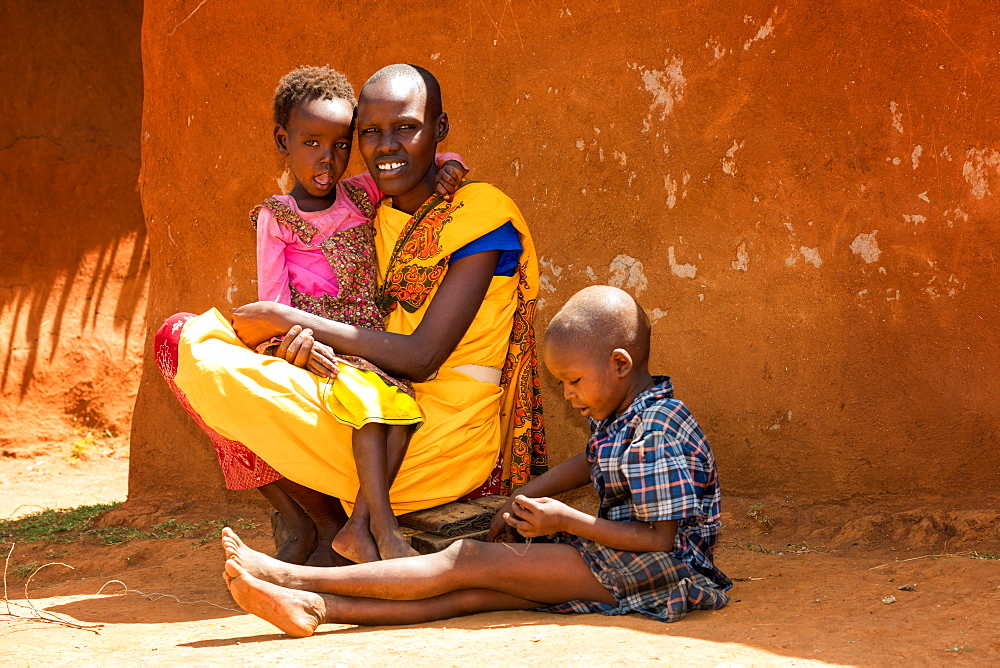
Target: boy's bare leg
[
  {"x": 327, "y": 515},
  {"x": 298, "y": 613},
  {"x": 372, "y": 533},
  {"x": 546, "y": 573}
]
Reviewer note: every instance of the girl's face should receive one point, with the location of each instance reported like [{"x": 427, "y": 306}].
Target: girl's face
[{"x": 317, "y": 141}]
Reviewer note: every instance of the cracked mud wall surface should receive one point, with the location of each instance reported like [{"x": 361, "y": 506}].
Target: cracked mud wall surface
[
  {"x": 74, "y": 263},
  {"x": 804, "y": 200}
]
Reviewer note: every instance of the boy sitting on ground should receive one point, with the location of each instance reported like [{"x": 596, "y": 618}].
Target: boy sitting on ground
[{"x": 649, "y": 550}]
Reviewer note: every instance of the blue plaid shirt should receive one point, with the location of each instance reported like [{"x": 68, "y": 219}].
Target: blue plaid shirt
[{"x": 652, "y": 464}]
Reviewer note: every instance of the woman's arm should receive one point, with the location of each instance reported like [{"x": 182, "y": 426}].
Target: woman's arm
[{"x": 415, "y": 356}]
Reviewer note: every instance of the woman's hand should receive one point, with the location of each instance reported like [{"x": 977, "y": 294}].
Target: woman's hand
[
  {"x": 257, "y": 322},
  {"x": 301, "y": 349},
  {"x": 539, "y": 517}
]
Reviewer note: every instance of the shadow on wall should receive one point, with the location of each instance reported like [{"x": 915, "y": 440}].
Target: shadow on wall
[{"x": 74, "y": 270}]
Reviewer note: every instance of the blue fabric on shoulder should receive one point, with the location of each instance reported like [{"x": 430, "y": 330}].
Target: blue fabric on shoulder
[{"x": 504, "y": 238}]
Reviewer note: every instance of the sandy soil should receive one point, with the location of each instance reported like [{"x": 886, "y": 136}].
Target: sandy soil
[{"x": 791, "y": 606}]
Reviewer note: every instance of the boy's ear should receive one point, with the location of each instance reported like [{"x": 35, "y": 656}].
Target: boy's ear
[
  {"x": 443, "y": 126},
  {"x": 622, "y": 362},
  {"x": 281, "y": 138}
]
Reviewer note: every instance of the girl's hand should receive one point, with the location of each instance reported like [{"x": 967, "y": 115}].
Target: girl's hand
[
  {"x": 449, "y": 178},
  {"x": 539, "y": 517},
  {"x": 301, "y": 349}
]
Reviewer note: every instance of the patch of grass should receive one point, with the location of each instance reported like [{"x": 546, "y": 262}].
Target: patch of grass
[
  {"x": 985, "y": 555},
  {"x": 76, "y": 525},
  {"x": 756, "y": 513},
  {"x": 24, "y": 571},
  {"x": 89, "y": 445},
  {"x": 751, "y": 546}
]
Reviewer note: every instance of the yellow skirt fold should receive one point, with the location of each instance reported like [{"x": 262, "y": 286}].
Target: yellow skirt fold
[{"x": 286, "y": 415}]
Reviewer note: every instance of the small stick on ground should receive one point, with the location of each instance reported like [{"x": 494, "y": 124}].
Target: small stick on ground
[{"x": 926, "y": 556}]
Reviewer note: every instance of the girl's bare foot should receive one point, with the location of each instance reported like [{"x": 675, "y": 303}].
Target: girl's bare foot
[
  {"x": 257, "y": 564},
  {"x": 297, "y": 613},
  {"x": 355, "y": 542}
]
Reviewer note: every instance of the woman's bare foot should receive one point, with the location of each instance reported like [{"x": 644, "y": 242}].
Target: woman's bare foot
[
  {"x": 257, "y": 564},
  {"x": 324, "y": 556},
  {"x": 392, "y": 545},
  {"x": 297, "y": 548},
  {"x": 297, "y": 613},
  {"x": 355, "y": 542}
]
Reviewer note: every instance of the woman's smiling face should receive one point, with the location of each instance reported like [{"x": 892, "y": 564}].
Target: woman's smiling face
[
  {"x": 317, "y": 141},
  {"x": 398, "y": 135}
]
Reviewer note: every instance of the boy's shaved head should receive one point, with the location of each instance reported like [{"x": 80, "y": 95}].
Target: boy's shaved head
[
  {"x": 599, "y": 319},
  {"x": 417, "y": 76}
]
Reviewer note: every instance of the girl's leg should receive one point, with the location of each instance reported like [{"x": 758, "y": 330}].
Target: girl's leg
[
  {"x": 301, "y": 541},
  {"x": 298, "y": 613},
  {"x": 372, "y": 533},
  {"x": 543, "y": 572},
  {"x": 326, "y": 514}
]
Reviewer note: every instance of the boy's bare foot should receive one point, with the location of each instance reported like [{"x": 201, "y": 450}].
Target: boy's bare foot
[
  {"x": 297, "y": 613},
  {"x": 355, "y": 542},
  {"x": 392, "y": 545},
  {"x": 257, "y": 564}
]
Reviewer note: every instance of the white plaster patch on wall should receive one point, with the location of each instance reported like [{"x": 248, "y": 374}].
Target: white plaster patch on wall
[
  {"x": 548, "y": 264},
  {"x": 976, "y": 170},
  {"x": 897, "y": 117},
  {"x": 656, "y": 314},
  {"x": 671, "y": 187},
  {"x": 715, "y": 45},
  {"x": 549, "y": 270},
  {"x": 924, "y": 197},
  {"x": 579, "y": 144},
  {"x": 285, "y": 181},
  {"x": 545, "y": 283},
  {"x": 742, "y": 261},
  {"x": 626, "y": 272},
  {"x": 590, "y": 274},
  {"x": 954, "y": 215},
  {"x": 667, "y": 85},
  {"x": 763, "y": 32},
  {"x": 516, "y": 166},
  {"x": 865, "y": 246},
  {"x": 621, "y": 158},
  {"x": 729, "y": 162},
  {"x": 811, "y": 255},
  {"x": 945, "y": 154},
  {"x": 915, "y": 156},
  {"x": 682, "y": 270},
  {"x": 232, "y": 289},
  {"x": 915, "y": 218}
]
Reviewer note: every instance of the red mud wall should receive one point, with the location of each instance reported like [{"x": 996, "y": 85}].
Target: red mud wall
[
  {"x": 73, "y": 257},
  {"x": 804, "y": 199}
]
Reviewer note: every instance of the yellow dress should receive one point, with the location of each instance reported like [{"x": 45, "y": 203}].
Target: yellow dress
[{"x": 281, "y": 412}]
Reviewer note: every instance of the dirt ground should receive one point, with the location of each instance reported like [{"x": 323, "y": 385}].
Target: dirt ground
[{"x": 164, "y": 602}]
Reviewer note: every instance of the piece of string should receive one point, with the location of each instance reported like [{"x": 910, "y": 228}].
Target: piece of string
[{"x": 511, "y": 547}]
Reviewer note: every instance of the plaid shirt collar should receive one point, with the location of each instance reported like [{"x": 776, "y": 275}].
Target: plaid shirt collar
[{"x": 663, "y": 389}]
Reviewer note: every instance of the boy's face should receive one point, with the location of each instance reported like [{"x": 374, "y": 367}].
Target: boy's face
[
  {"x": 398, "y": 135},
  {"x": 317, "y": 141},
  {"x": 594, "y": 385}
]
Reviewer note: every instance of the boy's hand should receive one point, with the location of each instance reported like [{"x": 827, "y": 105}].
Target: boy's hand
[
  {"x": 301, "y": 349},
  {"x": 539, "y": 517},
  {"x": 449, "y": 178},
  {"x": 500, "y": 531}
]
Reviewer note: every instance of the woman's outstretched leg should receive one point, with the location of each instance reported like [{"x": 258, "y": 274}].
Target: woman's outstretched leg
[
  {"x": 543, "y": 572},
  {"x": 298, "y": 613},
  {"x": 372, "y": 533}
]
